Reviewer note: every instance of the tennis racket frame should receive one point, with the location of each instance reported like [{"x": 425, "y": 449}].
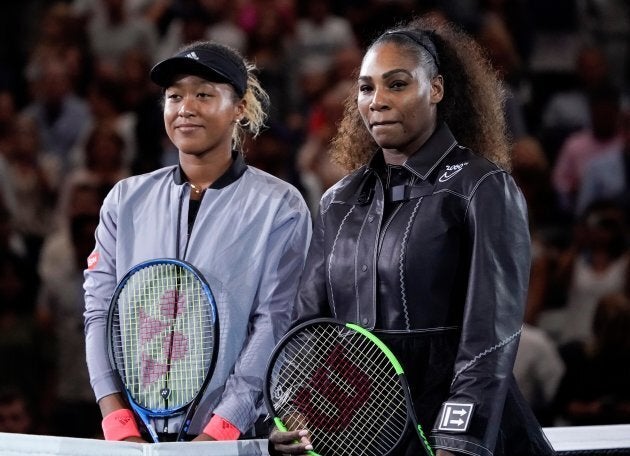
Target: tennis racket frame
[
  {"x": 411, "y": 415},
  {"x": 144, "y": 414}
]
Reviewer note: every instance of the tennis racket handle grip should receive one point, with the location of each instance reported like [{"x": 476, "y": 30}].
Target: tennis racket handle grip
[{"x": 281, "y": 427}]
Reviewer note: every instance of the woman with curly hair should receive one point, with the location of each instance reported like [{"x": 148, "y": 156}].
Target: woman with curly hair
[{"x": 426, "y": 241}]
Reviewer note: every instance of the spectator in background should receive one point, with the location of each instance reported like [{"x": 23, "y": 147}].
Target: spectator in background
[
  {"x": 319, "y": 172},
  {"x": 106, "y": 99},
  {"x": 15, "y": 412},
  {"x": 82, "y": 197},
  {"x": 608, "y": 176},
  {"x": 186, "y": 23},
  {"x": 103, "y": 165},
  {"x": 22, "y": 347},
  {"x": 61, "y": 36},
  {"x": 314, "y": 164},
  {"x": 251, "y": 13},
  {"x": 594, "y": 390},
  {"x": 223, "y": 27},
  {"x": 116, "y": 32},
  {"x": 517, "y": 16},
  {"x": 11, "y": 242},
  {"x": 33, "y": 178},
  {"x": 72, "y": 412},
  {"x": 538, "y": 369},
  {"x": 142, "y": 98},
  {"x": 567, "y": 110},
  {"x": 607, "y": 23},
  {"x": 60, "y": 114},
  {"x": 8, "y": 112},
  {"x": 268, "y": 45},
  {"x": 319, "y": 33},
  {"x": 582, "y": 146},
  {"x": 345, "y": 64},
  {"x": 596, "y": 263},
  {"x": 319, "y": 36},
  {"x": 96, "y": 10},
  {"x": 273, "y": 152},
  {"x": 532, "y": 171},
  {"x": 196, "y": 20},
  {"x": 311, "y": 82},
  {"x": 495, "y": 38},
  {"x": 104, "y": 162}
]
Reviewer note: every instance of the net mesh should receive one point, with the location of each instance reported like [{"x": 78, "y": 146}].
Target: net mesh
[{"x": 575, "y": 441}]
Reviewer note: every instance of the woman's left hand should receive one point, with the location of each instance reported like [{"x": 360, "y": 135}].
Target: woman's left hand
[{"x": 291, "y": 442}]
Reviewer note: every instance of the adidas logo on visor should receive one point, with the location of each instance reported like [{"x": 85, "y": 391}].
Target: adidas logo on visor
[{"x": 192, "y": 55}]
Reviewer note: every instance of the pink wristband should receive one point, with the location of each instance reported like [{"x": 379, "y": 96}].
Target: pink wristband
[
  {"x": 119, "y": 425},
  {"x": 221, "y": 429}
]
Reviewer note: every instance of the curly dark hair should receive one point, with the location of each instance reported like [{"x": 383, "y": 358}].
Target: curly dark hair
[{"x": 473, "y": 96}]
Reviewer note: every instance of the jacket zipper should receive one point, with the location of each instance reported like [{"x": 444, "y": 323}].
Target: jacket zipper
[{"x": 179, "y": 225}]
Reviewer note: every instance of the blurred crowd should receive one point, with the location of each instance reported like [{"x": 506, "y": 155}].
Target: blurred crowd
[{"x": 78, "y": 113}]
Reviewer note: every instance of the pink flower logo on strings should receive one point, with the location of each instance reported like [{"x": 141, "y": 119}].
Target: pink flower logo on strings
[{"x": 175, "y": 343}]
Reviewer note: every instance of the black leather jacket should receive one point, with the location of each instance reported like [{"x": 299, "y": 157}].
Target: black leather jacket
[{"x": 436, "y": 261}]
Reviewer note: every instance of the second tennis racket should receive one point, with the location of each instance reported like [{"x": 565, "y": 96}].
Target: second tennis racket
[{"x": 342, "y": 384}]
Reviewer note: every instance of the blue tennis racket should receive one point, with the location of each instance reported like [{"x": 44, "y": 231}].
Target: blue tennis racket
[{"x": 163, "y": 333}]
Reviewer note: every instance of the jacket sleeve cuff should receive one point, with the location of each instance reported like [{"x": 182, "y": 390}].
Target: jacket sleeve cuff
[
  {"x": 458, "y": 444},
  {"x": 221, "y": 429}
]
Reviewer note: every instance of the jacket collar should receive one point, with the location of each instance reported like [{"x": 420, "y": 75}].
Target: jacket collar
[
  {"x": 428, "y": 157},
  {"x": 232, "y": 174},
  {"x": 422, "y": 163}
]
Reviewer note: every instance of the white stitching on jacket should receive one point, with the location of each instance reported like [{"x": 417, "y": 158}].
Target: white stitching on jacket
[
  {"x": 436, "y": 435},
  {"x": 401, "y": 263},
  {"x": 330, "y": 258},
  {"x": 476, "y": 186},
  {"x": 486, "y": 353}
]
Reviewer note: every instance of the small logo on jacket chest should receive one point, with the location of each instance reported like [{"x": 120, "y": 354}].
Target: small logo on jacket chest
[{"x": 451, "y": 170}]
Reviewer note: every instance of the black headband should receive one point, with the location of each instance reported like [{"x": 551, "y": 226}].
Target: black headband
[
  {"x": 422, "y": 39},
  {"x": 208, "y": 63}
]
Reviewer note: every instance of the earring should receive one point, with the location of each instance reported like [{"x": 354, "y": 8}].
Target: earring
[{"x": 243, "y": 122}]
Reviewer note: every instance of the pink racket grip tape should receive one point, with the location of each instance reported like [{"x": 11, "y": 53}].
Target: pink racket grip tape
[
  {"x": 221, "y": 429},
  {"x": 119, "y": 425}
]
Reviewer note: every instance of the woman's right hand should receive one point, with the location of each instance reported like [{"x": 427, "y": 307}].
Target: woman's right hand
[{"x": 291, "y": 442}]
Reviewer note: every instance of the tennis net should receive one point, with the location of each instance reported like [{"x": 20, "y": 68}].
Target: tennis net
[{"x": 567, "y": 441}]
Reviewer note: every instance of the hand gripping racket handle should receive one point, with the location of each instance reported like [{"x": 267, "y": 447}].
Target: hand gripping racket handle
[{"x": 280, "y": 425}]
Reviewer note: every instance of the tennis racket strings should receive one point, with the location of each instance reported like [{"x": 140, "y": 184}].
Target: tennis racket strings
[
  {"x": 163, "y": 336},
  {"x": 343, "y": 388}
]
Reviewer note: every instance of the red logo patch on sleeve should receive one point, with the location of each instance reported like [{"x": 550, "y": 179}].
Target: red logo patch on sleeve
[{"x": 92, "y": 260}]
